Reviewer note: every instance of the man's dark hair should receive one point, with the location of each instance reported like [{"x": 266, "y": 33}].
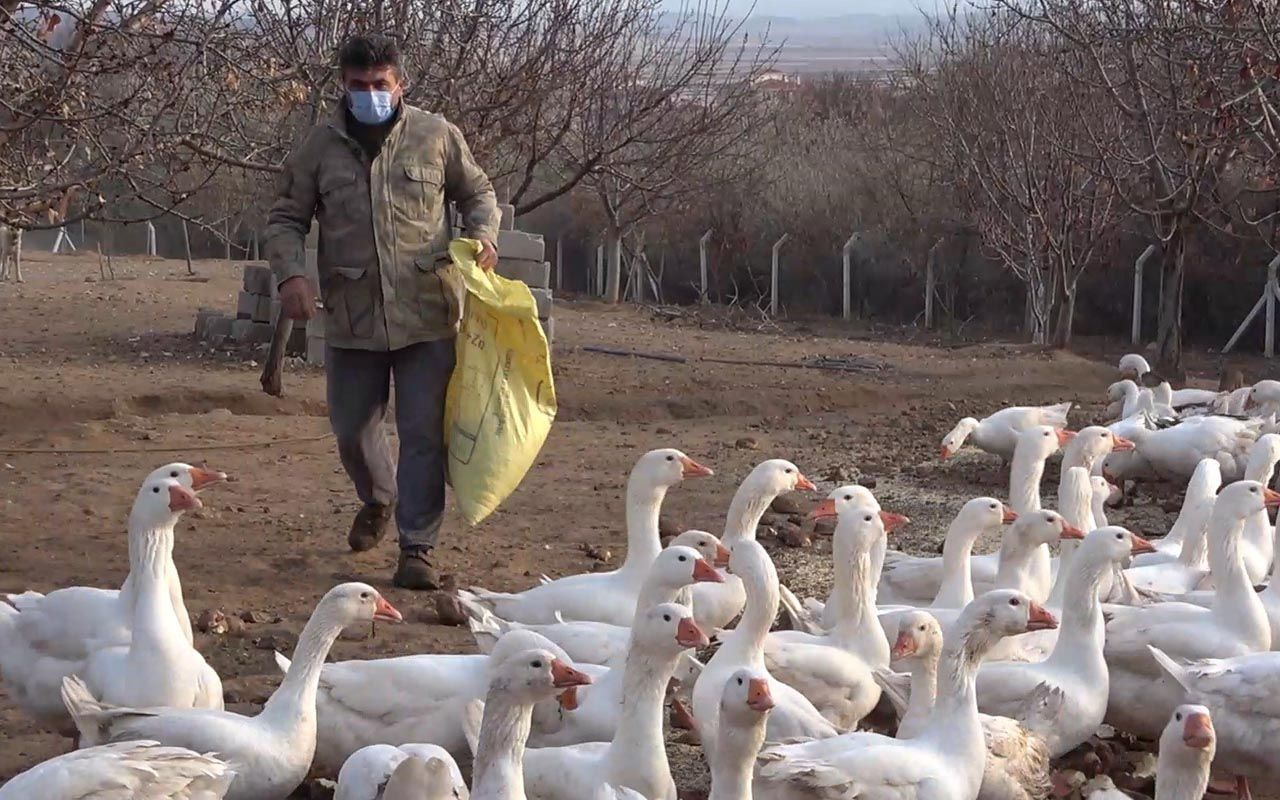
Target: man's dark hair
[{"x": 369, "y": 52}]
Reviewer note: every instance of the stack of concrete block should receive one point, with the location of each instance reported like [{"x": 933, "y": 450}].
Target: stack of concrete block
[
  {"x": 523, "y": 257},
  {"x": 315, "y": 326},
  {"x": 256, "y": 308}
]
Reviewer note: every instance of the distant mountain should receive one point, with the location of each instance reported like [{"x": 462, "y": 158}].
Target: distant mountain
[{"x": 850, "y": 30}]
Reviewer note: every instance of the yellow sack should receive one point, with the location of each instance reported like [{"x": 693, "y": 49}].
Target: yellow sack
[{"x": 501, "y": 400}]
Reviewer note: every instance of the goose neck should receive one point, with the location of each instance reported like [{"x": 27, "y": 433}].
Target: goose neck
[
  {"x": 638, "y": 749},
  {"x": 1024, "y": 482},
  {"x": 858, "y": 616},
  {"x": 1176, "y": 780},
  {"x": 745, "y": 511},
  {"x": 293, "y": 705},
  {"x": 504, "y": 729},
  {"x": 956, "y": 590},
  {"x": 155, "y": 626},
  {"x": 1081, "y": 610},
  {"x": 732, "y": 774},
  {"x": 1236, "y": 606},
  {"x": 924, "y": 693},
  {"x": 759, "y": 612},
  {"x": 954, "y": 728},
  {"x": 644, "y": 506}
]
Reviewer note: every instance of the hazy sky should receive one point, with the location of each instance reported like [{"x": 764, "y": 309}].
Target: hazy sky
[{"x": 820, "y": 8}]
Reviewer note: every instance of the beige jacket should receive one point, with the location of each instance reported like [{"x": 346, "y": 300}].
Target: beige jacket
[{"x": 384, "y": 230}]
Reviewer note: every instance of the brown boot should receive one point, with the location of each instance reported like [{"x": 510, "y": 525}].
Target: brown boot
[
  {"x": 414, "y": 571},
  {"x": 369, "y": 527}
]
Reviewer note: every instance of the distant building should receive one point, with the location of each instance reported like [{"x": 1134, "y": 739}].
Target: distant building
[{"x": 776, "y": 81}]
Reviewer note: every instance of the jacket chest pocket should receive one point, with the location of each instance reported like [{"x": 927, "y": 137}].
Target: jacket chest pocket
[
  {"x": 339, "y": 193},
  {"x": 350, "y": 300},
  {"x": 417, "y": 191}
]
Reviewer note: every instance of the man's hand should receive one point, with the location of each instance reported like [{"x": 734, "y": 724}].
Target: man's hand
[
  {"x": 297, "y": 298},
  {"x": 488, "y": 258}
]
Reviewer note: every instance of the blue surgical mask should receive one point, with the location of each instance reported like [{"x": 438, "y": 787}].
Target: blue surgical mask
[{"x": 371, "y": 107}]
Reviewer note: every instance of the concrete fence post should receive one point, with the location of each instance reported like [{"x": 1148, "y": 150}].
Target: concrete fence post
[
  {"x": 703, "y": 242},
  {"x": 773, "y": 274},
  {"x": 1135, "y": 334},
  {"x": 846, "y": 307}
]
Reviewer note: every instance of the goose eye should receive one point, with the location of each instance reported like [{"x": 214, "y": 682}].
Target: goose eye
[
  {"x": 788, "y": 470},
  {"x": 1178, "y": 716},
  {"x": 848, "y": 497},
  {"x": 173, "y": 474},
  {"x": 536, "y": 664},
  {"x": 684, "y": 558},
  {"x": 993, "y": 508},
  {"x": 1253, "y": 489},
  {"x": 1119, "y": 536},
  {"x": 671, "y": 458},
  {"x": 155, "y": 490},
  {"x": 739, "y": 681},
  {"x": 1046, "y": 433},
  {"x": 1013, "y": 601},
  {"x": 666, "y": 617},
  {"x": 866, "y": 519},
  {"x": 364, "y": 595}
]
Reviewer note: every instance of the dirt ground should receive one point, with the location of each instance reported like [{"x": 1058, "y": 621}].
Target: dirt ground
[{"x": 112, "y": 366}]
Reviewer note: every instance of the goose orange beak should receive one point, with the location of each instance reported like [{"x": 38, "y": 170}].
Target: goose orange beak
[
  {"x": 1123, "y": 445},
  {"x": 1070, "y": 531},
  {"x": 1010, "y": 516},
  {"x": 181, "y": 499},
  {"x": 569, "y": 699},
  {"x": 825, "y": 510},
  {"x": 1065, "y": 436},
  {"x": 704, "y": 572},
  {"x": 893, "y": 521},
  {"x": 1040, "y": 619},
  {"x": 564, "y": 676},
  {"x": 946, "y": 453},
  {"x": 692, "y": 469},
  {"x": 903, "y": 647},
  {"x": 385, "y": 612},
  {"x": 1141, "y": 545},
  {"x": 759, "y": 698},
  {"x": 1271, "y": 498},
  {"x": 203, "y": 478},
  {"x": 722, "y": 555},
  {"x": 1197, "y": 731},
  {"x": 688, "y": 634},
  {"x": 803, "y": 483}
]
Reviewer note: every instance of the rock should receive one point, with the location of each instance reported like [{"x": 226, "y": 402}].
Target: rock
[
  {"x": 661, "y": 431},
  {"x": 255, "y": 616},
  {"x": 278, "y": 639},
  {"x": 449, "y": 610},
  {"x": 747, "y": 443},
  {"x": 213, "y": 621},
  {"x": 448, "y": 583},
  {"x": 870, "y": 483},
  {"x": 235, "y": 626},
  {"x": 597, "y": 553},
  {"x": 1067, "y": 781},
  {"x": 824, "y": 527},
  {"x": 668, "y": 529},
  {"x": 786, "y": 504},
  {"x": 840, "y": 473},
  {"x": 793, "y": 536}
]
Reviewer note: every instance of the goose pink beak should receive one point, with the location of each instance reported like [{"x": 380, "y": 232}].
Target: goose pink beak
[
  {"x": 825, "y": 510},
  {"x": 385, "y": 612},
  {"x": 1039, "y": 618},
  {"x": 688, "y": 634},
  {"x": 1065, "y": 436},
  {"x": 946, "y": 453},
  {"x": 1010, "y": 516},
  {"x": 692, "y": 469},
  {"x": 904, "y": 646},
  {"x": 569, "y": 699},
  {"x": 704, "y": 572},
  {"x": 1197, "y": 731},
  {"x": 893, "y": 521},
  {"x": 1141, "y": 545},
  {"x": 202, "y": 478},
  {"x": 1271, "y": 498},
  {"x": 803, "y": 483},
  {"x": 759, "y": 697},
  {"x": 1123, "y": 445},
  {"x": 564, "y": 676},
  {"x": 1070, "y": 531},
  {"x": 722, "y": 555},
  {"x": 181, "y": 499}
]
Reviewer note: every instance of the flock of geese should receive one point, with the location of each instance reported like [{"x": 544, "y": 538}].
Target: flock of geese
[{"x": 995, "y": 664}]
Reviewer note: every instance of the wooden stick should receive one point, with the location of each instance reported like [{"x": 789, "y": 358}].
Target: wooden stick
[{"x": 610, "y": 351}]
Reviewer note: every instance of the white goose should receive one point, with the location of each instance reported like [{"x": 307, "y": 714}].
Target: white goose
[
  {"x": 636, "y": 756},
  {"x": 518, "y": 683},
  {"x": 945, "y": 762},
  {"x": 1201, "y": 489},
  {"x": 834, "y": 670},
  {"x": 914, "y": 580},
  {"x": 158, "y": 667},
  {"x": 1017, "y": 760},
  {"x": 377, "y": 772},
  {"x": 136, "y": 770},
  {"x": 676, "y": 568},
  {"x": 605, "y": 596},
  {"x": 1236, "y": 623},
  {"x": 744, "y": 710},
  {"x": 815, "y": 616},
  {"x": 420, "y": 698},
  {"x": 1074, "y": 667},
  {"x": 998, "y": 433},
  {"x": 270, "y": 753},
  {"x": 1240, "y": 694},
  {"x": 1187, "y": 747},
  {"x": 44, "y": 638},
  {"x": 715, "y": 605},
  {"x": 1189, "y": 569},
  {"x": 1133, "y": 366},
  {"x": 68, "y": 623},
  {"x": 1174, "y": 452},
  {"x": 743, "y": 648}
]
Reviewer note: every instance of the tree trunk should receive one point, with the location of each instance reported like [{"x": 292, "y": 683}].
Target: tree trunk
[
  {"x": 1039, "y": 308},
  {"x": 1169, "y": 335},
  {"x": 613, "y": 265},
  {"x": 1066, "y": 313}
]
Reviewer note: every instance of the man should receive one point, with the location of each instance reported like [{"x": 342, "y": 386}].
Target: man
[{"x": 378, "y": 177}]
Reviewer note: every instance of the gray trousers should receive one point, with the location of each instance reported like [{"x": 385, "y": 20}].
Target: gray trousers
[{"x": 359, "y": 387}]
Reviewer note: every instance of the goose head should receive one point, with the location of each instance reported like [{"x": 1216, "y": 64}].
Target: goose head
[
  {"x": 1041, "y": 441},
  {"x": 1265, "y": 454},
  {"x": 667, "y": 630},
  {"x": 1243, "y": 499},
  {"x": 953, "y": 441},
  {"x": 1112, "y": 544},
  {"x": 159, "y": 504},
  {"x": 665, "y": 468},
  {"x": 1264, "y": 393},
  {"x": 350, "y": 603},
  {"x": 1121, "y": 389},
  {"x": 777, "y": 476},
  {"x": 864, "y": 521},
  {"x": 984, "y": 515},
  {"x": 193, "y": 478},
  {"x": 678, "y": 566},
  {"x": 1043, "y": 527},
  {"x": 707, "y": 544},
  {"x": 1134, "y": 366},
  {"x": 919, "y": 637},
  {"x": 417, "y": 778},
  {"x": 535, "y": 675},
  {"x": 1189, "y": 734},
  {"x": 1006, "y": 612},
  {"x": 1095, "y": 442},
  {"x": 746, "y": 700},
  {"x": 1105, "y": 489},
  {"x": 750, "y": 562}
]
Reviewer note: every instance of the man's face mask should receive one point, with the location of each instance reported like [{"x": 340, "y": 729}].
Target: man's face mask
[{"x": 372, "y": 94}]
